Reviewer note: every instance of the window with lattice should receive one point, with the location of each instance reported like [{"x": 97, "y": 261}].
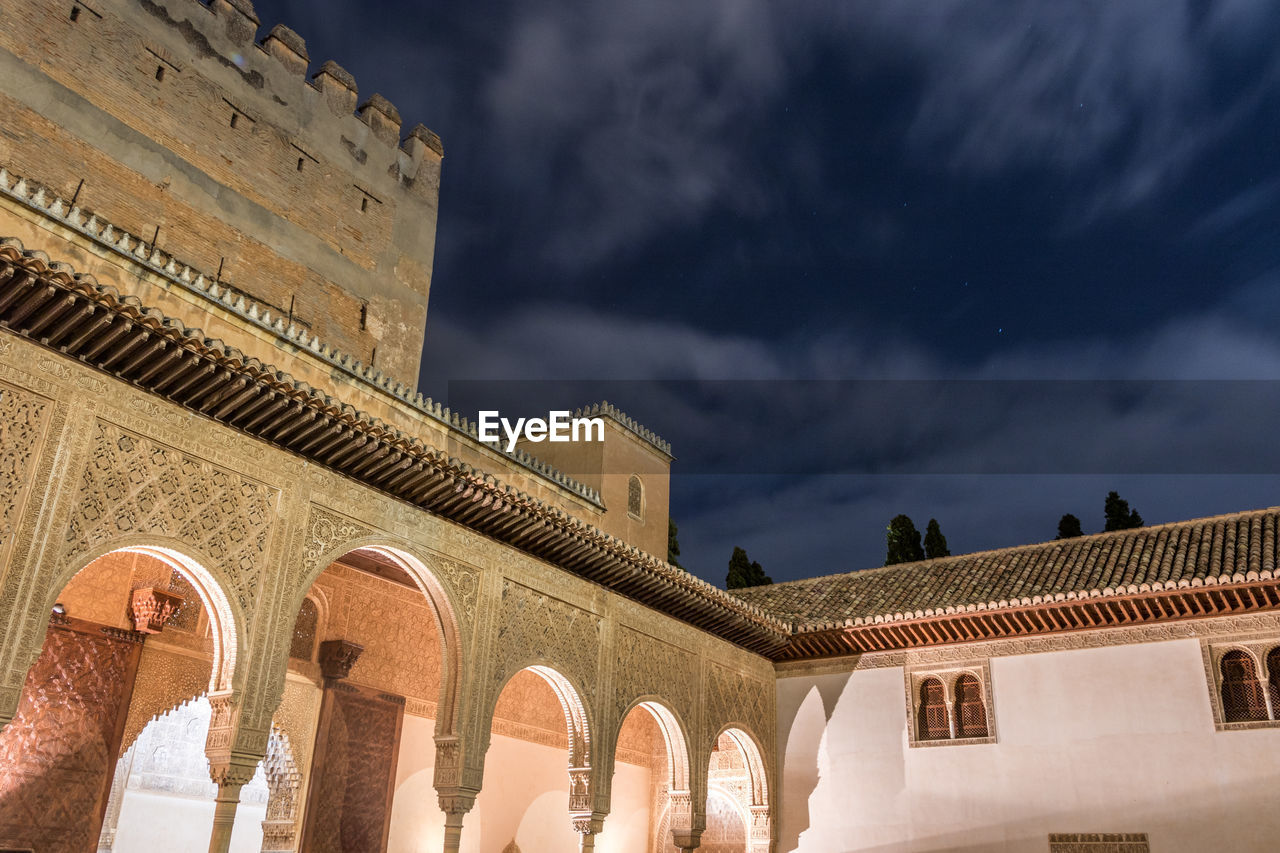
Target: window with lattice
[
  {"x": 1244, "y": 681},
  {"x": 1242, "y": 699},
  {"x": 932, "y": 722},
  {"x": 971, "y": 711},
  {"x": 949, "y": 704},
  {"x": 304, "y": 631},
  {"x": 635, "y": 497}
]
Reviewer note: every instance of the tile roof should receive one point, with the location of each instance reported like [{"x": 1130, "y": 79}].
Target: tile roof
[
  {"x": 1221, "y": 549},
  {"x": 49, "y": 303}
]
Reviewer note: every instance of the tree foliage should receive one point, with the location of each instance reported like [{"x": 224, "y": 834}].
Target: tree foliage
[
  {"x": 903, "y": 541},
  {"x": 744, "y": 572},
  {"x": 673, "y": 544},
  {"x": 935, "y": 544},
  {"x": 1069, "y": 526},
  {"x": 1118, "y": 514}
]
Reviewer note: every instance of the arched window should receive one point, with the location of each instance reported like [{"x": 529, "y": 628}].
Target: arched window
[
  {"x": 971, "y": 713},
  {"x": 635, "y": 497},
  {"x": 1242, "y": 697},
  {"x": 931, "y": 722},
  {"x": 304, "y": 631}
]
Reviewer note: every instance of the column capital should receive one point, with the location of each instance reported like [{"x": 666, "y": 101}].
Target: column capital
[
  {"x": 456, "y": 801},
  {"x": 151, "y": 607},
  {"x": 687, "y": 839},
  {"x": 337, "y": 657}
]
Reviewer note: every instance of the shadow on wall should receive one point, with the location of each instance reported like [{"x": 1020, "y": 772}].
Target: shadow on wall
[
  {"x": 841, "y": 795},
  {"x": 802, "y": 744}
]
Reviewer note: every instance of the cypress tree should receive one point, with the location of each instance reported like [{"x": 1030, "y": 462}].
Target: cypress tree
[
  {"x": 673, "y": 543},
  {"x": 935, "y": 544},
  {"x": 1118, "y": 515},
  {"x": 903, "y": 541},
  {"x": 744, "y": 572}
]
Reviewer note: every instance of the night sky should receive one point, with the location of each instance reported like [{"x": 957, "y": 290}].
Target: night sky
[{"x": 872, "y": 190}]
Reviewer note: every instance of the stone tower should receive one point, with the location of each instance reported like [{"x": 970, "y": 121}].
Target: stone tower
[{"x": 293, "y": 196}]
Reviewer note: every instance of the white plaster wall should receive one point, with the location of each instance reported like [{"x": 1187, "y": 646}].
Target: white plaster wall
[
  {"x": 1117, "y": 739},
  {"x": 417, "y": 824},
  {"x": 176, "y": 824},
  {"x": 525, "y": 798}
]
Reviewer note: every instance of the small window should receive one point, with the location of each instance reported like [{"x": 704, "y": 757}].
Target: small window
[
  {"x": 159, "y": 73},
  {"x": 299, "y": 164},
  {"x": 364, "y": 204},
  {"x": 931, "y": 719},
  {"x": 75, "y": 13},
  {"x": 1242, "y": 697},
  {"x": 635, "y": 497},
  {"x": 235, "y": 119},
  {"x": 949, "y": 705},
  {"x": 304, "y": 631},
  {"x": 971, "y": 712}
]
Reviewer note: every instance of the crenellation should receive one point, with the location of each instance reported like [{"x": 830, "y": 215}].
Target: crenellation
[
  {"x": 382, "y": 117},
  {"x": 420, "y": 135},
  {"x": 241, "y": 21},
  {"x": 240, "y": 134},
  {"x": 338, "y": 87},
  {"x": 288, "y": 47}
]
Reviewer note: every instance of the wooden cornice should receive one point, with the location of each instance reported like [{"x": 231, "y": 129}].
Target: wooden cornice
[
  {"x": 82, "y": 319},
  {"x": 1085, "y": 613}
]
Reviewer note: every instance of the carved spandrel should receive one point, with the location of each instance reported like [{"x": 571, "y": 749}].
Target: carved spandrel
[{"x": 134, "y": 485}]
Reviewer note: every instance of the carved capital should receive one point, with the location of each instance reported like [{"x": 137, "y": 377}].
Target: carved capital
[
  {"x": 278, "y": 835},
  {"x": 232, "y": 774},
  {"x": 682, "y": 816},
  {"x": 337, "y": 657},
  {"x": 588, "y": 824},
  {"x": 233, "y": 753},
  {"x": 687, "y": 839},
  {"x": 152, "y": 608},
  {"x": 456, "y": 802},
  {"x": 761, "y": 836}
]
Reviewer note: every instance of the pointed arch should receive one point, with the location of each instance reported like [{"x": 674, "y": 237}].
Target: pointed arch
[
  {"x": 227, "y": 621},
  {"x": 674, "y": 736},
  {"x": 575, "y": 716},
  {"x": 759, "y": 807},
  {"x": 750, "y": 748},
  {"x": 444, "y": 613},
  {"x": 578, "y": 726}
]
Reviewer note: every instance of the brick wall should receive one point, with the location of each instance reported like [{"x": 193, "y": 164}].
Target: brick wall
[{"x": 174, "y": 117}]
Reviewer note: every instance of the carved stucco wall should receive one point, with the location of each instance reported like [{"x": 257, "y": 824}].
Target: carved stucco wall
[
  {"x": 393, "y": 623},
  {"x": 24, "y": 418},
  {"x": 25, "y": 430},
  {"x": 134, "y": 485},
  {"x": 166, "y": 679},
  {"x": 536, "y": 628},
  {"x": 135, "y": 466}
]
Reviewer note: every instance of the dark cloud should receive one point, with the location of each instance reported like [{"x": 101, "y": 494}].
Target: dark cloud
[{"x": 881, "y": 190}]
